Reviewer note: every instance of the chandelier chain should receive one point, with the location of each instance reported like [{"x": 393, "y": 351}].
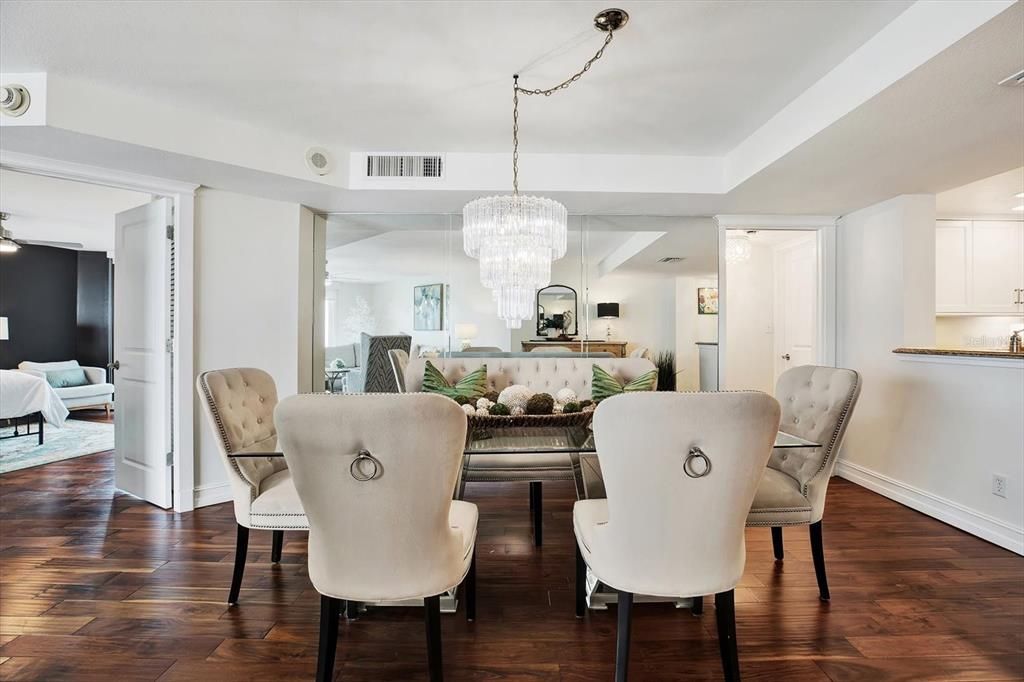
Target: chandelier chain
[{"x": 547, "y": 92}]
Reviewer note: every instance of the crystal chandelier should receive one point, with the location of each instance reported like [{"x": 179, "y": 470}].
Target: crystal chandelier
[
  {"x": 737, "y": 249},
  {"x": 517, "y": 237}
]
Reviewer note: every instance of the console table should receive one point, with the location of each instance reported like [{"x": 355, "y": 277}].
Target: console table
[{"x": 616, "y": 348}]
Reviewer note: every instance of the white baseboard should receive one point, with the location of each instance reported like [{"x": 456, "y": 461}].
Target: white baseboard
[
  {"x": 969, "y": 520},
  {"x": 206, "y": 495}
]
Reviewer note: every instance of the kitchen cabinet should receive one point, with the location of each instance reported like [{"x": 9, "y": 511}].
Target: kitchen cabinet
[{"x": 979, "y": 267}]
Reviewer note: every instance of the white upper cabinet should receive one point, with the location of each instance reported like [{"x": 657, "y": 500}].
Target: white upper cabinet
[{"x": 979, "y": 267}]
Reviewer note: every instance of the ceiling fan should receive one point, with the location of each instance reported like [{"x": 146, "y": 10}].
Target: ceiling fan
[{"x": 8, "y": 244}]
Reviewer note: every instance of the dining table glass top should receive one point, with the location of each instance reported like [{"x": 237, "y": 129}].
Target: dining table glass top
[{"x": 548, "y": 439}]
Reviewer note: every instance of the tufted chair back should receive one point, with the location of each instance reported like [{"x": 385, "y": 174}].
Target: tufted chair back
[
  {"x": 667, "y": 533},
  {"x": 816, "y": 405},
  {"x": 399, "y": 359},
  {"x": 239, "y": 406},
  {"x": 389, "y": 535},
  {"x": 539, "y": 373}
]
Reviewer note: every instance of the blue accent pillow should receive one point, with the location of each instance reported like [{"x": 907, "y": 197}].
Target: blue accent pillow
[{"x": 66, "y": 378}]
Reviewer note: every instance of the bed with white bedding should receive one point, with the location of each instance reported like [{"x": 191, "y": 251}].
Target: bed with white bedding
[{"x": 23, "y": 394}]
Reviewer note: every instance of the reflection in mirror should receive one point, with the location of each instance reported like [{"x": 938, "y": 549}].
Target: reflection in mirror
[
  {"x": 557, "y": 312},
  {"x": 403, "y": 282}
]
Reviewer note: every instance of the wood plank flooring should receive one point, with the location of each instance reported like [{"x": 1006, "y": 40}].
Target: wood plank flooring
[{"x": 99, "y": 586}]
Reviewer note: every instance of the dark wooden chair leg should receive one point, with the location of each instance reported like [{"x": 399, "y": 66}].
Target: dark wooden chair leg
[
  {"x": 330, "y": 610},
  {"x": 352, "y": 609},
  {"x": 538, "y": 512},
  {"x": 531, "y": 497},
  {"x": 470, "y": 585},
  {"x": 433, "y": 620},
  {"x": 622, "y": 636},
  {"x": 581, "y": 583},
  {"x": 777, "y": 542},
  {"x": 241, "y": 549},
  {"x": 277, "y": 547},
  {"x": 697, "y": 607},
  {"x": 725, "y": 615},
  {"x": 818, "y": 554}
]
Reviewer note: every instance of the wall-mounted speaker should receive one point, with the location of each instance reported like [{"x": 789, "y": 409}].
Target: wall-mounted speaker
[{"x": 319, "y": 161}]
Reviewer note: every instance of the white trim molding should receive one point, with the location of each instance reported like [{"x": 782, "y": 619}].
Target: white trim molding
[
  {"x": 183, "y": 196},
  {"x": 966, "y": 519},
  {"x": 206, "y": 495},
  {"x": 972, "y": 360}
]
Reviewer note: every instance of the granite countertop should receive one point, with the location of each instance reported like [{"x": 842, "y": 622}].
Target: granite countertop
[{"x": 961, "y": 352}]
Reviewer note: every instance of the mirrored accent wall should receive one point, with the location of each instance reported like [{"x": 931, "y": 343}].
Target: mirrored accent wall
[{"x": 628, "y": 285}]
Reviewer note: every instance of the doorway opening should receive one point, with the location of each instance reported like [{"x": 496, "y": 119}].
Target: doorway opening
[
  {"x": 87, "y": 281},
  {"x": 772, "y": 305}
]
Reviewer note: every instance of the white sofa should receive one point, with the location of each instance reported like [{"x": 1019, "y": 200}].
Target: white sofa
[{"x": 96, "y": 394}]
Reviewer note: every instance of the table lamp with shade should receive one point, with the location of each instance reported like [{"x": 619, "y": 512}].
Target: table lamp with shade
[
  {"x": 608, "y": 311},
  {"x": 466, "y": 333},
  {"x": 5, "y": 332}
]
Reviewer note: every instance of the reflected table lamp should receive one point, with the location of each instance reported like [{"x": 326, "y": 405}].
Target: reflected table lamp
[
  {"x": 608, "y": 311},
  {"x": 466, "y": 333}
]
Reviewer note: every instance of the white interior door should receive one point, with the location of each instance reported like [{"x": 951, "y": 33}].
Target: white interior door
[
  {"x": 141, "y": 356},
  {"x": 796, "y": 304}
]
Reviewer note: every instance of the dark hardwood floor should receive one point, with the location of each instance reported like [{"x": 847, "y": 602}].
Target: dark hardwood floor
[{"x": 99, "y": 586}]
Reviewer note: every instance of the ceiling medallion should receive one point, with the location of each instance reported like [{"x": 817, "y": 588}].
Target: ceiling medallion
[{"x": 517, "y": 237}]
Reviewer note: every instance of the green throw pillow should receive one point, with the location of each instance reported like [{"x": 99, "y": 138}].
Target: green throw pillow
[
  {"x": 66, "y": 378},
  {"x": 605, "y": 385},
  {"x": 472, "y": 386}
]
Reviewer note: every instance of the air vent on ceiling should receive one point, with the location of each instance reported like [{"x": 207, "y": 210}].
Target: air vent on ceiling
[
  {"x": 671, "y": 259},
  {"x": 403, "y": 166},
  {"x": 1015, "y": 79}
]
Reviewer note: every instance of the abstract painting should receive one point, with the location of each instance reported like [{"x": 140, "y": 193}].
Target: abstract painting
[{"x": 428, "y": 307}]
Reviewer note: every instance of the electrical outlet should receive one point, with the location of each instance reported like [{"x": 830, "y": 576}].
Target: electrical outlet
[{"x": 999, "y": 485}]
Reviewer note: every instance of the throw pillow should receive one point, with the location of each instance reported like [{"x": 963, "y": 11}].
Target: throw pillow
[
  {"x": 66, "y": 378},
  {"x": 605, "y": 385},
  {"x": 471, "y": 386}
]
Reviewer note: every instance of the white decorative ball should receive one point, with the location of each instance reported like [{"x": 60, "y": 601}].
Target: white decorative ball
[
  {"x": 482, "y": 412},
  {"x": 483, "y": 404},
  {"x": 469, "y": 409},
  {"x": 589, "y": 408},
  {"x": 515, "y": 396},
  {"x": 518, "y": 411},
  {"x": 557, "y": 409},
  {"x": 565, "y": 395}
]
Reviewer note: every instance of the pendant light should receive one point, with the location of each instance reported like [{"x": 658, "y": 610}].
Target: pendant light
[{"x": 516, "y": 237}]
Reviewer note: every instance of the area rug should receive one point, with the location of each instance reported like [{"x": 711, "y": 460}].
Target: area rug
[{"x": 76, "y": 439}]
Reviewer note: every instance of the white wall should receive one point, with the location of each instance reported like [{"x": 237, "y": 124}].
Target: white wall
[
  {"x": 647, "y": 311},
  {"x": 691, "y": 328},
  {"x": 929, "y": 434},
  {"x": 247, "y": 302},
  {"x": 750, "y": 347}
]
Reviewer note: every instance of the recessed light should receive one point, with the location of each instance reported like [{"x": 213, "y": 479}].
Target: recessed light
[{"x": 1018, "y": 208}]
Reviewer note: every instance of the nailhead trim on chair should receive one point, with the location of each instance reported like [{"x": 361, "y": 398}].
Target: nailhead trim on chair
[
  {"x": 224, "y": 434},
  {"x": 826, "y": 460}
]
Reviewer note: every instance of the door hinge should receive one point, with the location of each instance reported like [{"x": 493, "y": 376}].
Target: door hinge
[
  {"x": 170, "y": 459},
  {"x": 170, "y": 232}
]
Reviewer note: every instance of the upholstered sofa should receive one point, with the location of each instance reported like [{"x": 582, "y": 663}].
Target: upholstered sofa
[{"x": 97, "y": 393}]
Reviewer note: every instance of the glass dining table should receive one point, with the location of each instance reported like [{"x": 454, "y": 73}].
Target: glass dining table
[{"x": 573, "y": 441}]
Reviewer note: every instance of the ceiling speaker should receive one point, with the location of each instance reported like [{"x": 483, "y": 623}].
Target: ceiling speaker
[{"x": 319, "y": 161}]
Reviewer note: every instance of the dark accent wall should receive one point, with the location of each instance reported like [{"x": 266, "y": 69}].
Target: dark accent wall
[
  {"x": 94, "y": 291},
  {"x": 39, "y": 295}
]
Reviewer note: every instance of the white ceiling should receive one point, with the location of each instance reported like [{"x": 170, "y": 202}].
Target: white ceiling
[
  {"x": 692, "y": 77},
  {"x": 991, "y": 196},
  {"x": 49, "y": 209}
]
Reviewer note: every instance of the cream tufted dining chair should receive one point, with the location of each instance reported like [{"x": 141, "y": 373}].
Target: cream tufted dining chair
[
  {"x": 239, "y": 405},
  {"x": 382, "y": 521},
  {"x": 680, "y": 470},
  {"x": 817, "y": 403}
]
